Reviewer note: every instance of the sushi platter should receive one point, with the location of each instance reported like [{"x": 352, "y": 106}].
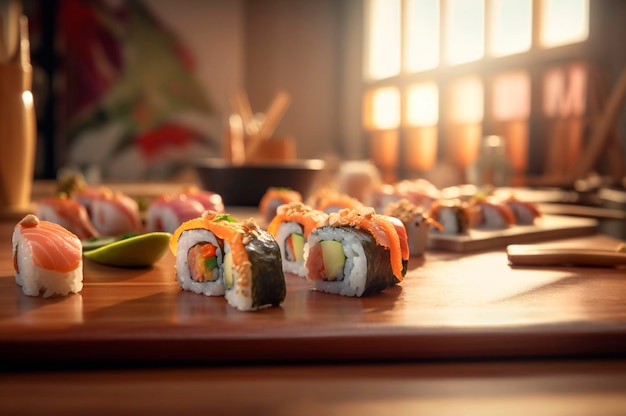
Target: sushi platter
[
  {"x": 549, "y": 227},
  {"x": 217, "y": 288},
  {"x": 448, "y": 306}
]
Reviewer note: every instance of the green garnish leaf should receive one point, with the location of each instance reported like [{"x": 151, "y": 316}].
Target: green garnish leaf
[{"x": 224, "y": 217}]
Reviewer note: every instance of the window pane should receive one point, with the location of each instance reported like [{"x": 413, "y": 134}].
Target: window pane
[
  {"x": 511, "y": 96},
  {"x": 386, "y": 108},
  {"x": 422, "y": 102},
  {"x": 511, "y": 26},
  {"x": 564, "y": 91},
  {"x": 383, "y": 40},
  {"x": 465, "y": 30},
  {"x": 422, "y": 37},
  {"x": 564, "y": 21},
  {"x": 467, "y": 101}
]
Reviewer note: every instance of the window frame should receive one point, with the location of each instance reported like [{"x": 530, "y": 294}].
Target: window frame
[{"x": 535, "y": 61}]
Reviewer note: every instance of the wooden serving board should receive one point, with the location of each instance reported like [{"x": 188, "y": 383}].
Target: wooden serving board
[
  {"x": 548, "y": 227},
  {"x": 449, "y": 306}
]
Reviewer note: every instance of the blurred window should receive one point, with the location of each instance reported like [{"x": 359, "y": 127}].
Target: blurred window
[{"x": 440, "y": 74}]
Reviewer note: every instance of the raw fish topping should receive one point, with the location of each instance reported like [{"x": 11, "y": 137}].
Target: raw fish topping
[
  {"x": 381, "y": 228},
  {"x": 236, "y": 234},
  {"x": 298, "y": 212},
  {"x": 408, "y": 213},
  {"x": 54, "y": 247}
]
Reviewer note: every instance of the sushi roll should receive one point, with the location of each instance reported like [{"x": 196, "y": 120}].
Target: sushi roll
[
  {"x": 114, "y": 213},
  {"x": 291, "y": 227},
  {"x": 525, "y": 212},
  {"x": 356, "y": 253},
  {"x": 452, "y": 215},
  {"x": 416, "y": 222},
  {"x": 166, "y": 213},
  {"x": 419, "y": 192},
  {"x": 68, "y": 213},
  {"x": 47, "y": 258},
  {"x": 489, "y": 213},
  {"x": 217, "y": 255},
  {"x": 335, "y": 201},
  {"x": 274, "y": 197}
]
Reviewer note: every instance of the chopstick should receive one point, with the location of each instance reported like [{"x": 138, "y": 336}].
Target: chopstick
[
  {"x": 534, "y": 255},
  {"x": 236, "y": 143},
  {"x": 273, "y": 115},
  {"x": 245, "y": 110}
]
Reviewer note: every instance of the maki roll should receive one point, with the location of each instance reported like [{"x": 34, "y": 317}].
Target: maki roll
[
  {"x": 417, "y": 223},
  {"x": 452, "y": 215},
  {"x": 291, "y": 227},
  {"x": 330, "y": 201},
  {"x": 525, "y": 212},
  {"x": 419, "y": 192},
  {"x": 489, "y": 213},
  {"x": 217, "y": 255},
  {"x": 47, "y": 258},
  {"x": 273, "y": 197},
  {"x": 356, "y": 253}
]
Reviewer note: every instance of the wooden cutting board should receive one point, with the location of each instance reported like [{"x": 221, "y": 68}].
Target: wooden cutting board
[
  {"x": 549, "y": 227},
  {"x": 450, "y": 306}
]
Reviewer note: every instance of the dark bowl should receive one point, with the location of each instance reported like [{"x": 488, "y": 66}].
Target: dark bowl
[{"x": 245, "y": 185}]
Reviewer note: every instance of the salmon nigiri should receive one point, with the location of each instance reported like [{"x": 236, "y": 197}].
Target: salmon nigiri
[
  {"x": 168, "y": 212},
  {"x": 115, "y": 213},
  {"x": 47, "y": 258},
  {"x": 68, "y": 214},
  {"x": 211, "y": 201}
]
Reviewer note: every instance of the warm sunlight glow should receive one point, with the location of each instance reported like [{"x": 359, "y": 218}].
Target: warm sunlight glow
[
  {"x": 422, "y": 105},
  {"x": 383, "y": 43},
  {"x": 511, "y": 96},
  {"x": 467, "y": 101},
  {"x": 386, "y": 108},
  {"x": 465, "y": 27},
  {"x": 511, "y": 26},
  {"x": 422, "y": 35},
  {"x": 565, "y": 91},
  {"x": 564, "y": 22}
]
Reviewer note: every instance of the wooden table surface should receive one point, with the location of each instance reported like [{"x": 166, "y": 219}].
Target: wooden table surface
[{"x": 463, "y": 332}]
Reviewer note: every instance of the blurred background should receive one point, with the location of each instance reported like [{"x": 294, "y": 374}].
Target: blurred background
[{"x": 136, "y": 89}]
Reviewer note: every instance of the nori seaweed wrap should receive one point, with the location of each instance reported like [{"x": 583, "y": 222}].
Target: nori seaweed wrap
[
  {"x": 356, "y": 253},
  {"x": 217, "y": 255}
]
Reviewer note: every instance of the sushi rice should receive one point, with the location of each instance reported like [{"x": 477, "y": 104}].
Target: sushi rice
[
  {"x": 245, "y": 261},
  {"x": 47, "y": 258},
  {"x": 284, "y": 231},
  {"x": 183, "y": 274},
  {"x": 354, "y": 278}
]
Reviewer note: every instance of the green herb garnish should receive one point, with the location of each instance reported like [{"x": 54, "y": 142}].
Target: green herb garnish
[{"x": 224, "y": 217}]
